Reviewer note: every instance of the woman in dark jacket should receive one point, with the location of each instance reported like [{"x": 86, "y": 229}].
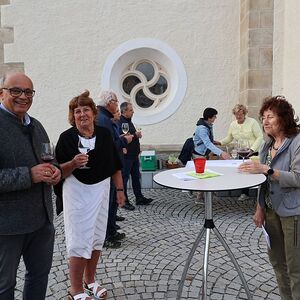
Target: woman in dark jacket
[{"x": 86, "y": 193}]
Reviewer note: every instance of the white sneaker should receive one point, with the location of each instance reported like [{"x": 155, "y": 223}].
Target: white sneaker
[{"x": 243, "y": 197}]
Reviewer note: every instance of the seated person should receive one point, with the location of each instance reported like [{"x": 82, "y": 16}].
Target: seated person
[
  {"x": 204, "y": 142},
  {"x": 247, "y": 129},
  {"x": 203, "y": 138}
]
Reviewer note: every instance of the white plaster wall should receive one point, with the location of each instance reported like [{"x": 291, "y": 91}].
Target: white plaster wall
[
  {"x": 286, "y": 68},
  {"x": 64, "y": 44}
]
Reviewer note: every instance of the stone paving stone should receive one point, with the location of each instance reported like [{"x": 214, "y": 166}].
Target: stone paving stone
[
  {"x": 158, "y": 240},
  {"x": 147, "y": 296}
]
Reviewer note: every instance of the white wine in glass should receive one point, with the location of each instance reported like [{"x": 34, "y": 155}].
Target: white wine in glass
[
  {"x": 84, "y": 150},
  {"x": 125, "y": 128},
  {"x": 47, "y": 152}
]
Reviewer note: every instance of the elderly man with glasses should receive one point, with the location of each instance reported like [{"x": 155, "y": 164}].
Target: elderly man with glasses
[{"x": 26, "y": 213}]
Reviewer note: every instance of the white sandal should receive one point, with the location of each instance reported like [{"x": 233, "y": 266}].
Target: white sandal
[
  {"x": 92, "y": 288},
  {"x": 82, "y": 296}
]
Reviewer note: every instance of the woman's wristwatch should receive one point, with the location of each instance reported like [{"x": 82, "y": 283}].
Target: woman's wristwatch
[
  {"x": 270, "y": 172},
  {"x": 120, "y": 190}
]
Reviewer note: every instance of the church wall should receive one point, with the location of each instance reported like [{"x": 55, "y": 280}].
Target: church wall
[
  {"x": 286, "y": 72},
  {"x": 64, "y": 45}
]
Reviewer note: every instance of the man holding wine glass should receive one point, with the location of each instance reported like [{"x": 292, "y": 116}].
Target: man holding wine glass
[
  {"x": 131, "y": 157},
  {"x": 26, "y": 213}
]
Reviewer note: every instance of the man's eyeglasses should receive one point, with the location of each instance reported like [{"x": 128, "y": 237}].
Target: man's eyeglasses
[{"x": 17, "y": 92}]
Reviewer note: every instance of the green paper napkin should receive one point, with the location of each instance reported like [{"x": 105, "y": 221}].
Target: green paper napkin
[{"x": 204, "y": 175}]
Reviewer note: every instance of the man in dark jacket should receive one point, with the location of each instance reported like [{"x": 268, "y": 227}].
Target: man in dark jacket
[
  {"x": 131, "y": 159},
  {"x": 26, "y": 213},
  {"x": 107, "y": 107}
]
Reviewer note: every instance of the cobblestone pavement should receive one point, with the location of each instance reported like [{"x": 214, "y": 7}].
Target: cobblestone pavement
[{"x": 158, "y": 240}]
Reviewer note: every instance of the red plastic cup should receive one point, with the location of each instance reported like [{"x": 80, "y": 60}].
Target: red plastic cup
[{"x": 199, "y": 163}]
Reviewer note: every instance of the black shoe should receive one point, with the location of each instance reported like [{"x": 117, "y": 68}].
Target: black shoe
[
  {"x": 120, "y": 219},
  {"x": 111, "y": 243},
  {"x": 118, "y": 236},
  {"x": 143, "y": 201},
  {"x": 117, "y": 227},
  {"x": 128, "y": 206}
]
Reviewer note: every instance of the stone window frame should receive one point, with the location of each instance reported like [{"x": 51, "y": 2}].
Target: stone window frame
[{"x": 154, "y": 50}]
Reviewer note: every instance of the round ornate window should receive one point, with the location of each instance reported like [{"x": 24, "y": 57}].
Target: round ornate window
[
  {"x": 150, "y": 75},
  {"x": 145, "y": 84}
]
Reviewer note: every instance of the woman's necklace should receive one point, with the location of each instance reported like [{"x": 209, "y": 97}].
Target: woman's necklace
[{"x": 279, "y": 145}]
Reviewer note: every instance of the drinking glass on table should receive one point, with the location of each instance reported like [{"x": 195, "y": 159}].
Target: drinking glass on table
[
  {"x": 234, "y": 153},
  {"x": 125, "y": 128},
  {"x": 84, "y": 149},
  {"x": 243, "y": 148},
  {"x": 47, "y": 152}
]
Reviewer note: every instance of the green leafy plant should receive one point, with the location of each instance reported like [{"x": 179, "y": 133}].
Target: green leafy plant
[{"x": 173, "y": 159}]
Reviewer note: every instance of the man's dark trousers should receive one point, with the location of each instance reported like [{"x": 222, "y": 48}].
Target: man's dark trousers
[
  {"x": 112, "y": 212},
  {"x": 132, "y": 167},
  {"x": 36, "y": 249}
]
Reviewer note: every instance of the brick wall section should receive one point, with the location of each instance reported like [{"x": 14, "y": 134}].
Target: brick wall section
[
  {"x": 6, "y": 37},
  {"x": 256, "y": 52}
]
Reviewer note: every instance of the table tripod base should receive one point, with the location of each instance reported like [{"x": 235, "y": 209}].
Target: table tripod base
[{"x": 205, "y": 261}]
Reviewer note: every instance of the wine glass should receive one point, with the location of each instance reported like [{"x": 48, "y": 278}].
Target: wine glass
[
  {"x": 47, "y": 152},
  {"x": 125, "y": 128},
  {"x": 84, "y": 149},
  {"x": 243, "y": 149},
  {"x": 234, "y": 153}
]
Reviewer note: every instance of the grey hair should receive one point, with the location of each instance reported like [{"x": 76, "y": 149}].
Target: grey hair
[
  {"x": 105, "y": 97},
  {"x": 2, "y": 80},
  {"x": 124, "y": 106}
]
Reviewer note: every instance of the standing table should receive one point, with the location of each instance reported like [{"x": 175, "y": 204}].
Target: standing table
[{"x": 231, "y": 179}]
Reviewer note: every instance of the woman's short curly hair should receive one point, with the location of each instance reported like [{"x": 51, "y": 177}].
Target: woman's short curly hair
[
  {"x": 285, "y": 112},
  {"x": 240, "y": 107},
  {"x": 81, "y": 100}
]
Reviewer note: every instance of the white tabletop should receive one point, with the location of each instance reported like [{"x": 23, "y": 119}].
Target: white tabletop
[{"x": 231, "y": 179}]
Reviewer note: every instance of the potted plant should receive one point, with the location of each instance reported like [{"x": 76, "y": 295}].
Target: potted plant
[{"x": 172, "y": 162}]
